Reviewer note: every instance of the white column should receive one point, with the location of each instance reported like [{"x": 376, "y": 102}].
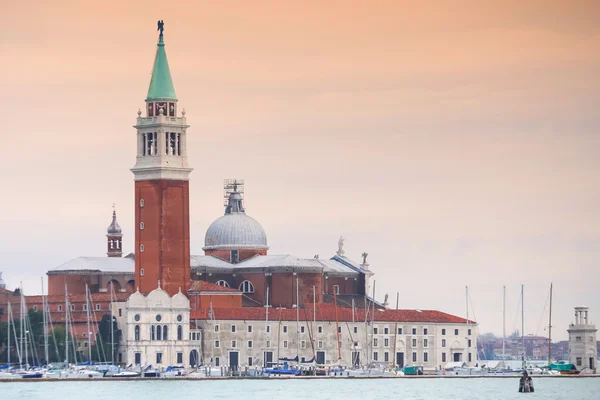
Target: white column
[{"x": 183, "y": 143}]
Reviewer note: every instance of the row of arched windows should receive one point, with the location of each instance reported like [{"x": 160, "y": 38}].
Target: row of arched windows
[
  {"x": 158, "y": 332},
  {"x": 248, "y": 287},
  {"x": 245, "y": 287}
]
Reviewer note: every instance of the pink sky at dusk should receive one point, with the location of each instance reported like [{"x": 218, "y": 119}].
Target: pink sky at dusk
[{"x": 455, "y": 142}]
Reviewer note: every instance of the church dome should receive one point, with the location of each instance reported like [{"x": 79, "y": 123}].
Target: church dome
[
  {"x": 114, "y": 228},
  {"x": 235, "y": 229}
]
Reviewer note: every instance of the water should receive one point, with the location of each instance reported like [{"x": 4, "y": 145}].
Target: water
[{"x": 313, "y": 389}]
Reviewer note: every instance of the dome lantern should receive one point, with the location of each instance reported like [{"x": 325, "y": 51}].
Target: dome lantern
[{"x": 235, "y": 236}]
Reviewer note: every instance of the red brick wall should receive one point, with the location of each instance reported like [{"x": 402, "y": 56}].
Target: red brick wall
[
  {"x": 166, "y": 235},
  {"x": 260, "y": 285},
  {"x": 346, "y": 285},
  {"x": 306, "y": 283},
  {"x": 282, "y": 291},
  {"x": 75, "y": 284},
  {"x": 214, "y": 278},
  {"x": 242, "y": 254},
  {"x": 203, "y": 301}
]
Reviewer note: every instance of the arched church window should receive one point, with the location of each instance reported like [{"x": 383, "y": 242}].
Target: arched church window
[
  {"x": 118, "y": 244},
  {"x": 165, "y": 333},
  {"x": 223, "y": 283},
  {"x": 112, "y": 244},
  {"x": 158, "y": 332},
  {"x": 179, "y": 332},
  {"x": 152, "y": 337},
  {"x": 137, "y": 332},
  {"x": 336, "y": 289},
  {"x": 247, "y": 287}
]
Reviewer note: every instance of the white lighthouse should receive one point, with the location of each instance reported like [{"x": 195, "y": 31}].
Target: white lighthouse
[{"x": 582, "y": 341}]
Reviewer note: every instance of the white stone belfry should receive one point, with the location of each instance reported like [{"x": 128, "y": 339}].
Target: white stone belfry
[
  {"x": 161, "y": 148},
  {"x": 582, "y": 341},
  {"x": 161, "y": 133}
]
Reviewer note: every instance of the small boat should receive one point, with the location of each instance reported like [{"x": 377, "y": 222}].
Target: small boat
[
  {"x": 151, "y": 373},
  {"x": 32, "y": 374},
  {"x": 8, "y": 375},
  {"x": 564, "y": 368},
  {"x": 84, "y": 374},
  {"x": 173, "y": 371},
  {"x": 126, "y": 374},
  {"x": 285, "y": 370}
]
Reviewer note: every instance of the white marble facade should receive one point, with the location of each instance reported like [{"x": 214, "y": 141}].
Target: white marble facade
[{"x": 157, "y": 330}]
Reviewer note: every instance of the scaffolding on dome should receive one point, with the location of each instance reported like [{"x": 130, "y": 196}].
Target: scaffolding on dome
[{"x": 232, "y": 186}]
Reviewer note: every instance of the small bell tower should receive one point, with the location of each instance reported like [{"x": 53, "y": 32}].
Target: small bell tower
[{"x": 114, "y": 237}]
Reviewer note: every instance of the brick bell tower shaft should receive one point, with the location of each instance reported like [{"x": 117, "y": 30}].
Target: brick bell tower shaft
[{"x": 161, "y": 171}]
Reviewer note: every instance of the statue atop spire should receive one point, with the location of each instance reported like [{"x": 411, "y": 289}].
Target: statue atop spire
[{"x": 161, "y": 84}]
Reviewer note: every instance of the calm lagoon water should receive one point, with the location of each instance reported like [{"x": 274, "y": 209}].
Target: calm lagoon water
[{"x": 313, "y": 389}]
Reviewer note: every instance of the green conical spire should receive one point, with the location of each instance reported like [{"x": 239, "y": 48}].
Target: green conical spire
[{"x": 161, "y": 84}]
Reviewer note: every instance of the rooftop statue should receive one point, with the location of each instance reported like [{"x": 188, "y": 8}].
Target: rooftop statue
[
  {"x": 341, "y": 251},
  {"x": 364, "y": 256},
  {"x": 161, "y": 26}
]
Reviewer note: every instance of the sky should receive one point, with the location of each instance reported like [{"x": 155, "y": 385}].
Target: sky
[{"x": 454, "y": 141}]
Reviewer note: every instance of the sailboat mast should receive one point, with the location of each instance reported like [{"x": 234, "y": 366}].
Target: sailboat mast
[
  {"x": 9, "y": 321},
  {"x": 278, "y": 334},
  {"x": 21, "y": 325},
  {"x": 89, "y": 332},
  {"x": 372, "y": 325},
  {"x": 503, "y": 322},
  {"x": 297, "y": 322},
  {"x": 25, "y": 327},
  {"x": 468, "y": 325},
  {"x": 45, "y": 318},
  {"x": 212, "y": 348},
  {"x": 550, "y": 328},
  {"x": 337, "y": 327},
  {"x": 314, "y": 323},
  {"x": 523, "y": 321},
  {"x": 66, "y": 326},
  {"x": 267, "y": 309},
  {"x": 314, "y": 306},
  {"x": 112, "y": 326},
  {"x": 396, "y": 329}
]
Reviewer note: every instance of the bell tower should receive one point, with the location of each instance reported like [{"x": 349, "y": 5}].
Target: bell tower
[
  {"x": 161, "y": 171},
  {"x": 114, "y": 237}
]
